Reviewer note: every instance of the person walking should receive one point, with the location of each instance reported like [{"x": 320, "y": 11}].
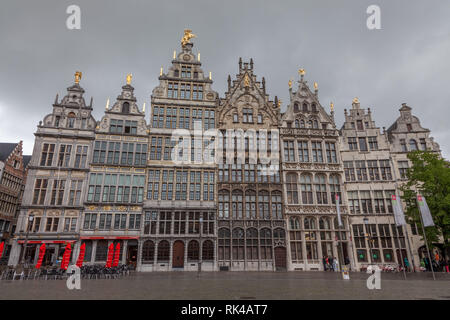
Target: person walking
[
  {"x": 330, "y": 263},
  {"x": 335, "y": 264},
  {"x": 406, "y": 264},
  {"x": 324, "y": 261}
]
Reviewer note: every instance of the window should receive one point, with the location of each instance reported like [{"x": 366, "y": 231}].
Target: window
[
  {"x": 252, "y": 244},
  {"x": 105, "y": 221},
  {"x": 276, "y": 205},
  {"x": 130, "y": 127},
  {"x": 306, "y": 188},
  {"x": 321, "y": 189},
  {"x": 247, "y": 115},
  {"x": 374, "y": 173},
  {"x": 52, "y": 225},
  {"x": 58, "y": 192},
  {"x": 373, "y": 144},
  {"x": 185, "y": 71},
  {"x": 224, "y": 243},
  {"x": 116, "y": 126},
  {"x": 64, "y": 155},
  {"x": 127, "y": 154},
  {"x": 57, "y": 120},
  {"x": 379, "y": 202},
  {"x": 197, "y": 92},
  {"x": 263, "y": 205},
  {"x": 238, "y": 244},
  {"x": 359, "y": 125},
  {"x": 409, "y": 127},
  {"x": 385, "y": 169},
  {"x": 95, "y": 185},
  {"x": 317, "y": 151},
  {"x": 113, "y": 153},
  {"x": 330, "y": 148},
  {"x": 237, "y": 204},
  {"x": 250, "y": 204},
  {"x": 361, "y": 170},
  {"x": 70, "y": 224},
  {"x": 291, "y": 188},
  {"x": 349, "y": 171},
  {"x": 296, "y": 246},
  {"x": 126, "y": 107},
  {"x": 80, "y": 157},
  {"x": 165, "y": 220},
  {"x": 102, "y": 250},
  {"x": 99, "y": 152},
  {"x": 172, "y": 90},
  {"x": 40, "y": 189},
  {"x": 359, "y": 237},
  {"x": 265, "y": 241},
  {"x": 260, "y": 118},
  {"x": 289, "y": 151},
  {"x": 134, "y": 222},
  {"x": 47, "y": 154},
  {"x": 235, "y": 118},
  {"x": 90, "y": 221},
  {"x": 423, "y": 144},
  {"x": 148, "y": 252},
  {"x": 153, "y": 184},
  {"x": 193, "y": 253},
  {"x": 185, "y": 91},
  {"x": 362, "y": 144},
  {"x": 353, "y": 202},
  {"x": 150, "y": 222},
  {"x": 413, "y": 145},
  {"x": 71, "y": 120},
  {"x": 224, "y": 199},
  {"x": 403, "y": 145},
  {"x": 195, "y": 184},
  {"x": 388, "y": 197},
  {"x": 303, "y": 153},
  {"x": 366, "y": 202},
  {"x": 156, "y": 147},
  {"x": 403, "y": 169},
  {"x": 335, "y": 188},
  {"x": 352, "y": 145}
]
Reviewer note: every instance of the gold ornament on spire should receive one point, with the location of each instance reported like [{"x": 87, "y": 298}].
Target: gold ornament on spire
[
  {"x": 107, "y": 104},
  {"x": 198, "y": 56},
  {"x": 315, "y": 85},
  {"x": 143, "y": 107},
  {"x": 301, "y": 72},
  {"x": 246, "y": 80},
  {"x": 355, "y": 100},
  {"x": 279, "y": 102},
  {"x": 290, "y": 83},
  {"x": 161, "y": 71},
  {"x": 129, "y": 77},
  {"x": 78, "y": 75},
  {"x": 188, "y": 35},
  {"x": 332, "y": 106},
  {"x": 210, "y": 76},
  {"x": 174, "y": 54}
]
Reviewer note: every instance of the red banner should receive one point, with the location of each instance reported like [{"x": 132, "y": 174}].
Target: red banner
[
  {"x": 81, "y": 255},
  {"x": 116, "y": 255},
  {"x": 41, "y": 256},
  {"x": 110, "y": 255}
]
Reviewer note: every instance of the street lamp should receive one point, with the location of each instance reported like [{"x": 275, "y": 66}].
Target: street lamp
[
  {"x": 22, "y": 254},
  {"x": 366, "y": 222}
]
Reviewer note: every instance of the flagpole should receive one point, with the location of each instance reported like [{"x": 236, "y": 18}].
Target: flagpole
[
  {"x": 426, "y": 242},
  {"x": 401, "y": 253}
]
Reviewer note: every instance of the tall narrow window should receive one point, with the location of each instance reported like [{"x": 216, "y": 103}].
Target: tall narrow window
[
  {"x": 291, "y": 188},
  {"x": 305, "y": 183}
]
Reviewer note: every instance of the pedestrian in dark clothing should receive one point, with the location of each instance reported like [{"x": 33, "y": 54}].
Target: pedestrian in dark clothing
[{"x": 324, "y": 261}]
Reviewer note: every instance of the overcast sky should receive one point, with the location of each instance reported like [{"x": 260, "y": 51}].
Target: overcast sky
[{"x": 408, "y": 60}]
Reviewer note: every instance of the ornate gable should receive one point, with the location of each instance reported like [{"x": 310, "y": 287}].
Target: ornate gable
[{"x": 246, "y": 96}]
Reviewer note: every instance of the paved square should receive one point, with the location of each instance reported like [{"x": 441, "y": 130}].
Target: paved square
[{"x": 235, "y": 286}]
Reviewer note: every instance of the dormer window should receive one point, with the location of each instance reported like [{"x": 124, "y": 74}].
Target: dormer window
[
  {"x": 126, "y": 107},
  {"x": 185, "y": 71},
  {"x": 57, "y": 119},
  {"x": 409, "y": 127},
  {"x": 313, "y": 107},
  {"x": 296, "y": 107},
  {"x": 412, "y": 145},
  {"x": 71, "y": 120},
  {"x": 305, "y": 107},
  {"x": 176, "y": 73},
  {"x": 247, "y": 115},
  {"x": 359, "y": 125},
  {"x": 315, "y": 124}
]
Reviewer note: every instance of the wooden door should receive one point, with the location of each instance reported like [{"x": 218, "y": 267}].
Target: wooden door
[
  {"x": 178, "y": 254},
  {"x": 280, "y": 258}
]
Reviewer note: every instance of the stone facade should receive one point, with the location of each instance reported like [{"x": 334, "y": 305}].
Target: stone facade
[{"x": 253, "y": 189}]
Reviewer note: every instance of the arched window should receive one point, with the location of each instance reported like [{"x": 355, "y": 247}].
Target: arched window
[
  {"x": 310, "y": 124},
  {"x": 208, "y": 251},
  {"x": 265, "y": 243},
  {"x": 148, "y": 252},
  {"x": 313, "y": 107},
  {"x": 279, "y": 234},
  {"x": 237, "y": 204},
  {"x": 263, "y": 204},
  {"x": 238, "y": 244},
  {"x": 224, "y": 203},
  {"x": 310, "y": 223},
  {"x": 291, "y": 188},
  {"x": 193, "y": 251},
  {"x": 305, "y": 184},
  {"x": 250, "y": 204},
  {"x": 297, "y": 124},
  {"x": 412, "y": 145},
  {"x": 336, "y": 226},
  {"x": 294, "y": 223},
  {"x": 315, "y": 124},
  {"x": 335, "y": 189},
  {"x": 321, "y": 189},
  {"x": 302, "y": 123},
  {"x": 276, "y": 205},
  {"x": 296, "y": 109},
  {"x": 125, "y": 107},
  {"x": 305, "y": 107},
  {"x": 324, "y": 223},
  {"x": 71, "y": 120},
  {"x": 163, "y": 251},
  {"x": 252, "y": 243},
  {"x": 224, "y": 244}
]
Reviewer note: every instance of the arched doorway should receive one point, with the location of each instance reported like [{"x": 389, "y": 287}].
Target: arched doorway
[
  {"x": 280, "y": 258},
  {"x": 178, "y": 254}
]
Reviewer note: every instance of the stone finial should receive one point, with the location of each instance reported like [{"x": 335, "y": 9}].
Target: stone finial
[{"x": 251, "y": 63}]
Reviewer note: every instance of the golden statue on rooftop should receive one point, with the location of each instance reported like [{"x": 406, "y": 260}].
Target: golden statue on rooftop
[
  {"x": 301, "y": 72},
  {"x": 290, "y": 83},
  {"x": 78, "y": 75},
  {"x": 188, "y": 35},
  {"x": 331, "y": 106},
  {"x": 355, "y": 100},
  {"x": 129, "y": 77},
  {"x": 315, "y": 85}
]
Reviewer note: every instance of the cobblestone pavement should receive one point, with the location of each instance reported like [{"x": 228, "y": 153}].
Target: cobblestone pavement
[{"x": 235, "y": 285}]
